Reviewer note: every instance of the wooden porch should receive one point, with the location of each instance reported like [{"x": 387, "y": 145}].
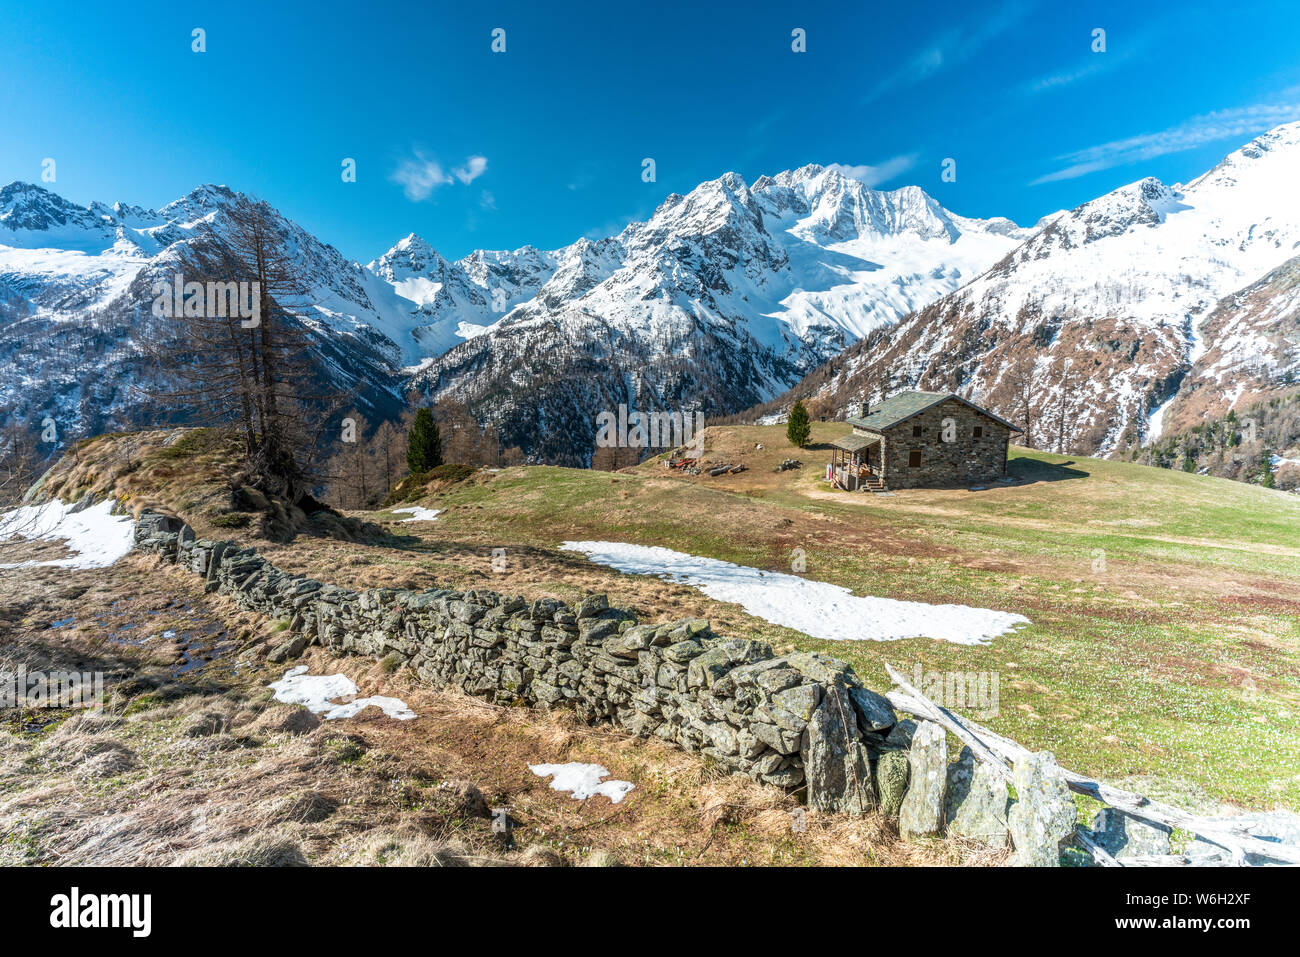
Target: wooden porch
[{"x": 855, "y": 463}]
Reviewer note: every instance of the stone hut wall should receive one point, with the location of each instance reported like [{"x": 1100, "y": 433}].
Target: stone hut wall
[
  {"x": 964, "y": 461},
  {"x": 795, "y": 721}
]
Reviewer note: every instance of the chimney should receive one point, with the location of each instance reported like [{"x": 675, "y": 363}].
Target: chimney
[{"x": 866, "y": 407}]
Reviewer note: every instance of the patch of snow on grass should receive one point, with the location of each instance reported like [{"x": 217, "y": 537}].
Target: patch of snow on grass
[
  {"x": 418, "y": 513},
  {"x": 97, "y": 538},
  {"x": 818, "y": 609},
  {"x": 582, "y": 780},
  {"x": 317, "y": 693}
]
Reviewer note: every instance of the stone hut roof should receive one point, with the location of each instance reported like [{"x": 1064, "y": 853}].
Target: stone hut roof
[
  {"x": 901, "y": 407},
  {"x": 854, "y": 443}
]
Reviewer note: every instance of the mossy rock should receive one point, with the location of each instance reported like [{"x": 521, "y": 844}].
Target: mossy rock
[{"x": 892, "y": 773}]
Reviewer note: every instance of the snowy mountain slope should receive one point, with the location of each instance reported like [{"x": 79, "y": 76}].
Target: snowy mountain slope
[
  {"x": 1087, "y": 326},
  {"x": 824, "y": 257},
  {"x": 1250, "y": 351},
  {"x": 725, "y": 296},
  {"x": 447, "y": 302},
  {"x": 722, "y": 298},
  {"x": 1107, "y": 303},
  {"x": 76, "y": 298}
]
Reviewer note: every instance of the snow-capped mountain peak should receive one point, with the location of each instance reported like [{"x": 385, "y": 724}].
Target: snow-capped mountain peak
[
  {"x": 742, "y": 286},
  {"x": 731, "y": 291},
  {"x": 34, "y": 217},
  {"x": 1118, "y": 303}
]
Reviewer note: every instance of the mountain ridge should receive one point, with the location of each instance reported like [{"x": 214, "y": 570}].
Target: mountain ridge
[
  {"x": 723, "y": 299},
  {"x": 768, "y": 278},
  {"x": 1108, "y": 307}
]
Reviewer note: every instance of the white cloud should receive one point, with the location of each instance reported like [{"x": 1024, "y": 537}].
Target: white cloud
[
  {"x": 1055, "y": 81},
  {"x": 880, "y": 173},
  {"x": 1239, "y": 122},
  {"x": 419, "y": 177},
  {"x": 950, "y": 49},
  {"x": 1130, "y": 46},
  {"x": 474, "y": 167}
]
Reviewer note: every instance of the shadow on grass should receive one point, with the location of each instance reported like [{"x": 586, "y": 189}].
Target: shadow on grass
[
  {"x": 515, "y": 554},
  {"x": 1033, "y": 470}
]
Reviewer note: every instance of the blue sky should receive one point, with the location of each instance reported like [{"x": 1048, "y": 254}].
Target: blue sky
[{"x": 544, "y": 143}]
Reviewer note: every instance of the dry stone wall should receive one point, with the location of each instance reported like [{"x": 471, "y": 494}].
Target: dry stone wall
[{"x": 795, "y": 721}]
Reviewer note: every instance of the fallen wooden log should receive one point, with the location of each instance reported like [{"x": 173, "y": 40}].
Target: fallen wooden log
[
  {"x": 1001, "y": 752},
  {"x": 1162, "y": 860},
  {"x": 718, "y": 470},
  {"x": 921, "y": 706},
  {"x": 1099, "y": 853}
]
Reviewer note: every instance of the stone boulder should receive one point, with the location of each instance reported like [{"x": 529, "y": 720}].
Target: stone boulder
[
  {"x": 892, "y": 771},
  {"x": 977, "y": 800},
  {"x": 291, "y": 647},
  {"x": 836, "y": 763},
  {"x": 1122, "y": 835},
  {"x": 875, "y": 713},
  {"x": 1044, "y": 815},
  {"x": 921, "y": 814}
]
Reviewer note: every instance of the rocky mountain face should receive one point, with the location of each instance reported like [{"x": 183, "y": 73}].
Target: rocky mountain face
[
  {"x": 1150, "y": 301},
  {"x": 1147, "y": 309},
  {"x": 1252, "y": 351},
  {"x": 722, "y": 299},
  {"x": 725, "y": 297},
  {"x": 77, "y": 334}
]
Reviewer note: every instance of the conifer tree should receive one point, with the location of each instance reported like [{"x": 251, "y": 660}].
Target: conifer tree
[
  {"x": 424, "y": 444},
  {"x": 799, "y": 429}
]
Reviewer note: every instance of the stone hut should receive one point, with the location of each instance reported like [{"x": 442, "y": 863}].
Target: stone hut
[{"x": 921, "y": 440}]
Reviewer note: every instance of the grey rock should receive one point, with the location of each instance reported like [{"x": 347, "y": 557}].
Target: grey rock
[
  {"x": 977, "y": 801},
  {"x": 707, "y": 668},
  {"x": 900, "y": 735},
  {"x": 1044, "y": 815},
  {"x": 591, "y": 605},
  {"x": 594, "y": 631},
  {"x": 291, "y": 648},
  {"x": 780, "y": 740},
  {"x": 836, "y": 764},
  {"x": 1122, "y": 835},
  {"x": 874, "y": 710},
  {"x": 793, "y": 708},
  {"x": 822, "y": 668},
  {"x": 777, "y": 678},
  {"x": 683, "y": 651},
  {"x": 893, "y": 769},
  {"x": 921, "y": 814}
]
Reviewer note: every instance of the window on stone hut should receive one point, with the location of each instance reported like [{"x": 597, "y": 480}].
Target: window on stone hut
[
  {"x": 916, "y": 431},
  {"x": 914, "y": 459},
  {"x": 979, "y": 431}
]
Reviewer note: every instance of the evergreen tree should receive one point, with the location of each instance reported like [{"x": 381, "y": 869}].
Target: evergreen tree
[
  {"x": 424, "y": 444},
  {"x": 799, "y": 429},
  {"x": 1266, "y": 478}
]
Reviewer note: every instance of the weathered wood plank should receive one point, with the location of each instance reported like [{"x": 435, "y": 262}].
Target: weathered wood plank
[{"x": 1001, "y": 752}]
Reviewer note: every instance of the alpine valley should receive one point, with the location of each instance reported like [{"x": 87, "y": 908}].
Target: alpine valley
[{"x": 1150, "y": 307}]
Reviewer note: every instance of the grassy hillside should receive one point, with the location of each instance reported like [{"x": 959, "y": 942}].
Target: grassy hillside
[
  {"x": 1165, "y": 607},
  {"x": 1164, "y": 641}
]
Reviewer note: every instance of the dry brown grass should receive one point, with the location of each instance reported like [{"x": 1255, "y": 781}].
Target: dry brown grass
[
  {"x": 206, "y": 769},
  {"x": 407, "y": 846}
]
